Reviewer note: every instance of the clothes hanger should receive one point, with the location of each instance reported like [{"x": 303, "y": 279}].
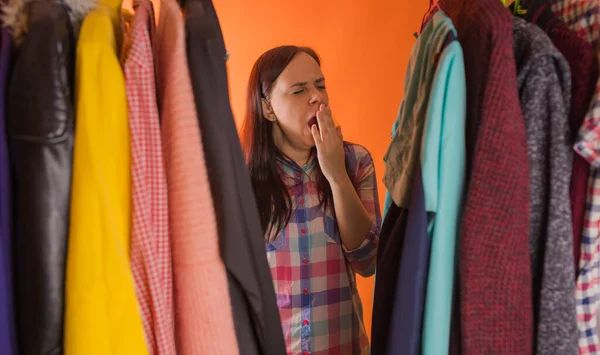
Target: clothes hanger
[
  {"x": 517, "y": 9},
  {"x": 428, "y": 15}
]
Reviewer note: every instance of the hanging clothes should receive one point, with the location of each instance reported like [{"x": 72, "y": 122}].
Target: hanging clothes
[
  {"x": 203, "y": 316},
  {"x": 255, "y": 312},
  {"x": 494, "y": 265},
  {"x": 582, "y": 17},
  {"x": 391, "y": 243},
  {"x": 102, "y": 314},
  {"x": 436, "y": 62},
  {"x": 404, "y": 333},
  {"x": 444, "y": 158},
  {"x": 581, "y": 57},
  {"x": 150, "y": 243},
  {"x": 40, "y": 126},
  {"x": 544, "y": 83},
  {"x": 403, "y": 151},
  {"x": 8, "y": 340}
]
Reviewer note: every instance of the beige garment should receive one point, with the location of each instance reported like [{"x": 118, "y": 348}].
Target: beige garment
[{"x": 403, "y": 153}]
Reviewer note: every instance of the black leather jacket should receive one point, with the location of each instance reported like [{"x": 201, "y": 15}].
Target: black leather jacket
[{"x": 40, "y": 122}]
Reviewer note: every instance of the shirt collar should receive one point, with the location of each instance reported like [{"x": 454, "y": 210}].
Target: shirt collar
[{"x": 290, "y": 164}]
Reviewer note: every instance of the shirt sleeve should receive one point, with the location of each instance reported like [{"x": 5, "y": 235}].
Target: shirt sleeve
[{"x": 363, "y": 259}]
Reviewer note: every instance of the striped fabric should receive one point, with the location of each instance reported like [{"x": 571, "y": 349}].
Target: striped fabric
[
  {"x": 583, "y": 17},
  {"x": 313, "y": 274}
]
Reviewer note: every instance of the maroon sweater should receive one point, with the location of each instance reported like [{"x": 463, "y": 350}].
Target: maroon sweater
[{"x": 496, "y": 315}]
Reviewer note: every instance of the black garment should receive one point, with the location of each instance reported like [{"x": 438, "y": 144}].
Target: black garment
[
  {"x": 255, "y": 312},
  {"x": 391, "y": 242},
  {"x": 40, "y": 122}
]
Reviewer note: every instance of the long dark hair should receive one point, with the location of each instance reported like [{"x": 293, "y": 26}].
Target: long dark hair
[{"x": 262, "y": 156}]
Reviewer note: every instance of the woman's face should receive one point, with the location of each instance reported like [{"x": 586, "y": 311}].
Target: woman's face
[{"x": 294, "y": 100}]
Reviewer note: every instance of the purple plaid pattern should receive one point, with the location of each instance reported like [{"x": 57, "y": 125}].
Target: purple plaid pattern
[
  {"x": 583, "y": 17},
  {"x": 313, "y": 274}
]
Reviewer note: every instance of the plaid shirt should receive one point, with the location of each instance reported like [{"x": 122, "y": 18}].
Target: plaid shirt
[
  {"x": 313, "y": 273},
  {"x": 583, "y": 16},
  {"x": 150, "y": 244}
]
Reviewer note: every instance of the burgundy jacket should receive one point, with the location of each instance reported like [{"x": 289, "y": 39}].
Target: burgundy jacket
[{"x": 495, "y": 295}]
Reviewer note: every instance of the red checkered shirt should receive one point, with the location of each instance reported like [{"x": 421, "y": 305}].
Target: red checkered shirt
[
  {"x": 150, "y": 244},
  {"x": 583, "y": 17},
  {"x": 313, "y": 274}
]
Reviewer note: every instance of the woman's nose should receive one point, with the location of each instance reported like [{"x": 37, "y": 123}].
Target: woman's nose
[{"x": 317, "y": 97}]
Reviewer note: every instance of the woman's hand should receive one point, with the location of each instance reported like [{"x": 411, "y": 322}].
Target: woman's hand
[{"x": 330, "y": 147}]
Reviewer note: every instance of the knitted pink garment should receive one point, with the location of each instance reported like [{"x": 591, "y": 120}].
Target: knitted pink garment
[{"x": 203, "y": 318}]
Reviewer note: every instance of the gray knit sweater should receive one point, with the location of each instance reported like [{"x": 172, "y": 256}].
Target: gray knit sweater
[{"x": 544, "y": 83}]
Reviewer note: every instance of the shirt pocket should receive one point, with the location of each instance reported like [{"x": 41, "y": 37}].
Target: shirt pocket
[
  {"x": 328, "y": 226},
  {"x": 279, "y": 243},
  {"x": 333, "y": 238}
]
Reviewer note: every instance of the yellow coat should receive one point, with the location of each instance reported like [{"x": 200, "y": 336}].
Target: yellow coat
[{"x": 102, "y": 315}]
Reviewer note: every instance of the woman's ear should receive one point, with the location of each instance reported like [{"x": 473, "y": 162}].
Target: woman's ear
[{"x": 268, "y": 110}]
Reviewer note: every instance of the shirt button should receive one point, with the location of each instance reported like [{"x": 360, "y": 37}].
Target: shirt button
[
  {"x": 305, "y": 261},
  {"x": 298, "y": 174},
  {"x": 305, "y": 291},
  {"x": 305, "y": 322},
  {"x": 303, "y": 231},
  {"x": 301, "y": 202}
]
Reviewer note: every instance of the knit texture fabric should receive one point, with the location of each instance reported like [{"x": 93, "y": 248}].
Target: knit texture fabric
[
  {"x": 203, "y": 318},
  {"x": 544, "y": 83},
  {"x": 496, "y": 313},
  {"x": 582, "y": 61}
]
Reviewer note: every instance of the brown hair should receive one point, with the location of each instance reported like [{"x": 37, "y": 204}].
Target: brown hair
[{"x": 262, "y": 155}]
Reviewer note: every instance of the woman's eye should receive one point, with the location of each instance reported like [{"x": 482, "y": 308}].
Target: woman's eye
[
  {"x": 298, "y": 92},
  {"x": 321, "y": 87}
]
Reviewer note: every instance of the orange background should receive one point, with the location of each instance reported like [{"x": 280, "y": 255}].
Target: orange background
[{"x": 364, "y": 47}]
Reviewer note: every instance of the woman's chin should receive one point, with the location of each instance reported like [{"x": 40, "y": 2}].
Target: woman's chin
[{"x": 310, "y": 143}]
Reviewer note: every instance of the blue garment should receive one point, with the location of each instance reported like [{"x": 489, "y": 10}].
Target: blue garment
[
  {"x": 7, "y": 321},
  {"x": 402, "y": 154},
  {"x": 391, "y": 242},
  {"x": 407, "y": 312},
  {"x": 422, "y": 305},
  {"x": 443, "y": 169}
]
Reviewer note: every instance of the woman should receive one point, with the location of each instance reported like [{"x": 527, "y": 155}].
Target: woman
[{"x": 317, "y": 198}]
